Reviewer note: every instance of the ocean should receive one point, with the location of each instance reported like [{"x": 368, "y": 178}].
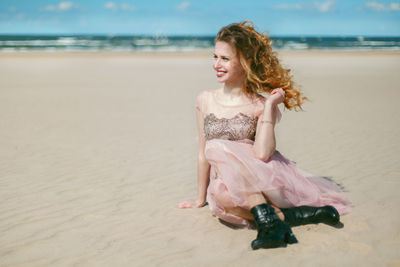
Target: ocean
[{"x": 11, "y": 43}]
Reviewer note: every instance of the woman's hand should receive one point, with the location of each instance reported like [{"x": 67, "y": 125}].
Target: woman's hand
[
  {"x": 191, "y": 204},
  {"x": 276, "y": 97}
]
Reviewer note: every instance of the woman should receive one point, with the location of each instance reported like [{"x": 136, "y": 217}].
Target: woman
[{"x": 240, "y": 174}]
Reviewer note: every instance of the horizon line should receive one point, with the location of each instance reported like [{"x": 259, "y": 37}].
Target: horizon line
[{"x": 179, "y": 35}]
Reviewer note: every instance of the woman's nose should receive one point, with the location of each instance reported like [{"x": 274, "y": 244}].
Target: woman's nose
[{"x": 217, "y": 63}]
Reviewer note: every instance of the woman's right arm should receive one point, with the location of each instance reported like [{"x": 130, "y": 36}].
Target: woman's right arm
[{"x": 203, "y": 168}]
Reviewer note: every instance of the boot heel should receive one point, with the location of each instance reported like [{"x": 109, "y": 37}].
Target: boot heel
[
  {"x": 272, "y": 232},
  {"x": 282, "y": 236},
  {"x": 291, "y": 239},
  {"x": 289, "y": 236},
  {"x": 268, "y": 243}
]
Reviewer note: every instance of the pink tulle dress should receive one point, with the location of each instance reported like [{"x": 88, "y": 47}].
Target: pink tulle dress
[{"x": 235, "y": 171}]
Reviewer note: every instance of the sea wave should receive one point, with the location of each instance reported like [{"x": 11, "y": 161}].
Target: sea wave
[{"x": 9, "y": 43}]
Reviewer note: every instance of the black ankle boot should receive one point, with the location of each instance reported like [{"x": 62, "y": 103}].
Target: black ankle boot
[
  {"x": 307, "y": 215},
  {"x": 272, "y": 232}
]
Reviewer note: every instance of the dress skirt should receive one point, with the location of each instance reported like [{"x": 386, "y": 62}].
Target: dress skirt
[{"x": 236, "y": 173}]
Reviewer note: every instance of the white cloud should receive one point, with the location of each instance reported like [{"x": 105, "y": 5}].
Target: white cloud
[
  {"x": 394, "y": 6},
  {"x": 381, "y": 7},
  {"x": 49, "y": 8},
  {"x": 320, "y": 7},
  {"x": 111, "y": 6},
  {"x": 12, "y": 9},
  {"x": 375, "y": 6},
  {"x": 183, "y": 6},
  {"x": 325, "y": 6},
  {"x": 288, "y": 6},
  {"x": 62, "y": 6},
  {"x": 127, "y": 7},
  {"x": 114, "y": 7}
]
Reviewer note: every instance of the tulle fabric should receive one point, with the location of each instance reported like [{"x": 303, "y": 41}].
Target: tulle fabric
[{"x": 236, "y": 173}]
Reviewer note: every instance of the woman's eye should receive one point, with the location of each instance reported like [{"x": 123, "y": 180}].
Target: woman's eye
[{"x": 225, "y": 58}]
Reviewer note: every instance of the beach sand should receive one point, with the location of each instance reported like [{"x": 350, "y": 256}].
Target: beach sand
[{"x": 97, "y": 150}]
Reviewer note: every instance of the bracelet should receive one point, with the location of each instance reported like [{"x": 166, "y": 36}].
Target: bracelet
[{"x": 264, "y": 121}]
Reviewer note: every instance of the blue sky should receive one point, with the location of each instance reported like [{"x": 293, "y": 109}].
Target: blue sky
[{"x": 200, "y": 17}]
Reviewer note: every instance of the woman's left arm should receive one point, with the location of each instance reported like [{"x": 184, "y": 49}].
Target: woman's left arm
[{"x": 264, "y": 145}]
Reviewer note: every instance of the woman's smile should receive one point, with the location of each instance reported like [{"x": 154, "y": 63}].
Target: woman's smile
[{"x": 220, "y": 73}]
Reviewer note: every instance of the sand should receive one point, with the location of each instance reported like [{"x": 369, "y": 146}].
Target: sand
[{"x": 97, "y": 150}]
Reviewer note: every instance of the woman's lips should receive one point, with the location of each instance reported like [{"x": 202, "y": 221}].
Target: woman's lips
[{"x": 220, "y": 73}]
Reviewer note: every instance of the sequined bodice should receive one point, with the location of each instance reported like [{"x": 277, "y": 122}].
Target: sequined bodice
[{"x": 239, "y": 127}]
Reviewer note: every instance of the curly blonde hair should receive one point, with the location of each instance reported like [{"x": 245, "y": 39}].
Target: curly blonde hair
[{"x": 263, "y": 69}]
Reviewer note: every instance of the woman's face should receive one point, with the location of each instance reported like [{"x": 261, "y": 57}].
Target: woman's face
[{"x": 227, "y": 64}]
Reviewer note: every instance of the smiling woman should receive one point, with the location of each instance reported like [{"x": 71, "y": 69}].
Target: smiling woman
[{"x": 241, "y": 175}]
